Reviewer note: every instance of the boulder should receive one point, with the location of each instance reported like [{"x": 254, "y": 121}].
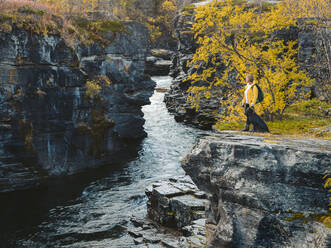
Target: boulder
[
  {"x": 159, "y": 63},
  {"x": 175, "y": 203},
  {"x": 157, "y": 67},
  {"x": 175, "y": 216}
]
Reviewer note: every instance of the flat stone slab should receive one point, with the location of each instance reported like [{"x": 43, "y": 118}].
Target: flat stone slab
[{"x": 190, "y": 201}]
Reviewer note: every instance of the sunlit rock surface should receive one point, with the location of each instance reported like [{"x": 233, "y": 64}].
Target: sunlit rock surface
[
  {"x": 159, "y": 62},
  {"x": 48, "y": 125},
  {"x": 264, "y": 192}
]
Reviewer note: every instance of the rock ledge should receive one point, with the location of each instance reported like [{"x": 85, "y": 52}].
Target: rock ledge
[{"x": 265, "y": 193}]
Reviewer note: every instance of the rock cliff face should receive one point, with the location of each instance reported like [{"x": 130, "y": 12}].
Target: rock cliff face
[
  {"x": 54, "y": 123},
  {"x": 265, "y": 193},
  {"x": 311, "y": 57},
  {"x": 153, "y": 9},
  {"x": 176, "y": 98}
]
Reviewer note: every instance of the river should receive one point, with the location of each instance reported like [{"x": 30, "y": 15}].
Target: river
[{"x": 93, "y": 209}]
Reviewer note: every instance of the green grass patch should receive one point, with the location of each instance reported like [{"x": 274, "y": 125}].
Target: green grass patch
[
  {"x": 94, "y": 31},
  {"x": 300, "y": 125},
  {"x": 229, "y": 126},
  {"x": 105, "y": 26},
  {"x": 30, "y": 11},
  {"x": 309, "y": 108}
]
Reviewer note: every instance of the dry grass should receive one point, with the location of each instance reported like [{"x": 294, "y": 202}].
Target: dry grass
[
  {"x": 15, "y": 4},
  {"x": 46, "y": 19},
  {"x": 37, "y": 17}
]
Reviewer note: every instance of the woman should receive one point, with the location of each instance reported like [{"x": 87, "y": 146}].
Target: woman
[{"x": 249, "y": 100}]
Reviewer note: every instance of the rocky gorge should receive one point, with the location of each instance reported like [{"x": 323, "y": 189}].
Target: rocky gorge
[
  {"x": 65, "y": 109},
  {"x": 155, "y": 182}
]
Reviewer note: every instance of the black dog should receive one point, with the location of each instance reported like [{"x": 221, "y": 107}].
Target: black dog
[{"x": 258, "y": 124}]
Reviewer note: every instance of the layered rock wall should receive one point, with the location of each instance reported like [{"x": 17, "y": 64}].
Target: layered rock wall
[
  {"x": 52, "y": 123},
  {"x": 265, "y": 193},
  {"x": 158, "y": 64},
  {"x": 176, "y": 98}
]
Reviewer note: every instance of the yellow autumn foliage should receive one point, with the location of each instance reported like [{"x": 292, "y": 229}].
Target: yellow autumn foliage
[
  {"x": 242, "y": 38},
  {"x": 308, "y": 8},
  {"x": 166, "y": 13},
  {"x": 94, "y": 87},
  {"x": 327, "y": 218}
]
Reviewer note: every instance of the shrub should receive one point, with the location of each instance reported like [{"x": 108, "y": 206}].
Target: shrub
[
  {"x": 226, "y": 32},
  {"x": 94, "y": 87}
]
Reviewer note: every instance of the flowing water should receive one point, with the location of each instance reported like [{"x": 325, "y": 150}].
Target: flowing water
[{"x": 93, "y": 209}]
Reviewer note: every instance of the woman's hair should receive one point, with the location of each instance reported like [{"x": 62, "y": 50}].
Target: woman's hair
[{"x": 250, "y": 77}]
